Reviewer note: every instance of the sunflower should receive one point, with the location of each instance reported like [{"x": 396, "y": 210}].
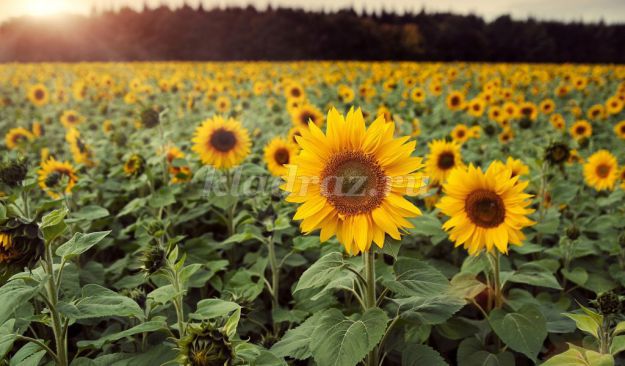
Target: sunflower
[
  {"x": 346, "y": 94},
  {"x": 601, "y": 170},
  {"x": 57, "y": 177},
  {"x": 621, "y": 176},
  {"x": 306, "y": 113},
  {"x": 17, "y": 137},
  {"x": 613, "y": 106},
  {"x": 179, "y": 173},
  {"x": 222, "y": 104},
  {"x": 81, "y": 152},
  {"x": 416, "y": 127},
  {"x": 294, "y": 91},
  {"x": 506, "y": 135},
  {"x": 528, "y": 111},
  {"x": 443, "y": 158},
  {"x": 221, "y": 143},
  {"x": 134, "y": 166},
  {"x": 557, "y": 121},
  {"x": 455, "y": 101},
  {"x": 547, "y": 106},
  {"x": 71, "y": 118},
  {"x": 38, "y": 95},
  {"x": 460, "y": 133},
  {"x": 475, "y": 107},
  {"x": 37, "y": 129},
  {"x": 417, "y": 95},
  {"x": 516, "y": 167},
  {"x": 574, "y": 157},
  {"x": 350, "y": 181},
  {"x": 619, "y": 130},
  {"x": 279, "y": 152},
  {"x": 595, "y": 112},
  {"x": 486, "y": 209},
  {"x": 581, "y": 129}
]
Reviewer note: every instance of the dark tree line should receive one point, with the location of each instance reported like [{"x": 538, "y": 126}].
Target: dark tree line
[{"x": 287, "y": 34}]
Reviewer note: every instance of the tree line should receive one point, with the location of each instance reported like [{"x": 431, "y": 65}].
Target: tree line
[{"x": 246, "y": 33}]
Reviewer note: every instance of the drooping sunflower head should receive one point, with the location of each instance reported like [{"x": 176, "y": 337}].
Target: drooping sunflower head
[
  {"x": 13, "y": 172},
  {"x": 71, "y": 118},
  {"x": 21, "y": 244},
  {"x": 306, "y": 113},
  {"x": 221, "y": 143},
  {"x": 205, "y": 345},
  {"x": 487, "y": 210},
  {"x": 17, "y": 138},
  {"x": 443, "y": 158},
  {"x": 134, "y": 166},
  {"x": 38, "y": 95},
  {"x": 557, "y": 153},
  {"x": 601, "y": 170},
  {"x": 351, "y": 181},
  {"x": 149, "y": 118},
  {"x": 57, "y": 178},
  {"x": 278, "y": 153},
  {"x": 153, "y": 258}
]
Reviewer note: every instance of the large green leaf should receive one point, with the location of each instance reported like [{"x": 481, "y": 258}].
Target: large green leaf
[
  {"x": 535, "y": 275},
  {"x": 321, "y": 272},
  {"x": 342, "y": 341},
  {"x": 417, "y": 278},
  {"x": 430, "y": 310},
  {"x": 52, "y": 224},
  {"x": 296, "y": 342},
  {"x": 472, "y": 353},
  {"x": 80, "y": 243},
  {"x": 98, "y": 301},
  {"x": 213, "y": 308},
  {"x": 576, "y": 356},
  {"x": 14, "y": 294},
  {"x": 150, "y": 326},
  {"x": 420, "y": 354},
  {"x": 523, "y": 331}
]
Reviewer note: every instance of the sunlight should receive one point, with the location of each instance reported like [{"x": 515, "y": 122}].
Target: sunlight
[{"x": 41, "y": 8}]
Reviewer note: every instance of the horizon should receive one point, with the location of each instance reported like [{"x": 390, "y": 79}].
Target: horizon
[{"x": 575, "y": 11}]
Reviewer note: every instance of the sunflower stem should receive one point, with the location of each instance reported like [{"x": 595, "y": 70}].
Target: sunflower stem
[
  {"x": 370, "y": 298},
  {"x": 60, "y": 335},
  {"x": 275, "y": 274},
  {"x": 496, "y": 279}
]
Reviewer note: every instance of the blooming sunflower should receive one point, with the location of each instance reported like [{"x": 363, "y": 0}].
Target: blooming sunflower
[
  {"x": 486, "y": 209},
  {"x": 71, "y": 118},
  {"x": 278, "y": 152},
  {"x": 460, "y": 133},
  {"x": 16, "y": 137},
  {"x": 221, "y": 143},
  {"x": 619, "y": 130},
  {"x": 179, "y": 173},
  {"x": 601, "y": 170},
  {"x": 304, "y": 113},
  {"x": 134, "y": 166},
  {"x": 621, "y": 176},
  {"x": 57, "y": 177},
  {"x": 581, "y": 129},
  {"x": 294, "y": 91},
  {"x": 38, "y": 95},
  {"x": 475, "y": 107},
  {"x": 455, "y": 101},
  {"x": 443, "y": 158},
  {"x": 595, "y": 112},
  {"x": 350, "y": 181}
]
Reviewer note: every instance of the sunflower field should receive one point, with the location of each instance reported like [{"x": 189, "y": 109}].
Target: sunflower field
[{"x": 312, "y": 213}]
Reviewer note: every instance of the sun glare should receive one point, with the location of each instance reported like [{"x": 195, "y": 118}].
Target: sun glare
[{"x": 42, "y": 8}]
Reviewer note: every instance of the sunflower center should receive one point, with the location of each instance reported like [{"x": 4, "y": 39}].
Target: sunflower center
[
  {"x": 353, "y": 182},
  {"x": 223, "y": 140},
  {"x": 305, "y": 117},
  {"x": 460, "y": 133},
  {"x": 295, "y": 92},
  {"x": 455, "y": 101},
  {"x": 71, "y": 118},
  {"x": 39, "y": 94},
  {"x": 603, "y": 170},
  {"x": 446, "y": 160},
  {"x": 580, "y": 130},
  {"x": 485, "y": 208},
  {"x": 623, "y": 129},
  {"x": 281, "y": 156},
  {"x": 53, "y": 179}
]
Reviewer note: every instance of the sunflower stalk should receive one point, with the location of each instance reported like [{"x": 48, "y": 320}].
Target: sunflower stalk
[
  {"x": 52, "y": 299},
  {"x": 496, "y": 278},
  {"x": 370, "y": 296}
]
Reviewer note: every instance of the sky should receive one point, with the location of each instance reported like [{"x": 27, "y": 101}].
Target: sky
[{"x": 610, "y": 11}]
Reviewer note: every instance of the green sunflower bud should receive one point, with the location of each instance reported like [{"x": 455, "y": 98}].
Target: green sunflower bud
[
  {"x": 149, "y": 118},
  {"x": 609, "y": 303},
  {"x": 205, "y": 345},
  {"x": 153, "y": 259},
  {"x": 12, "y": 173},
  {"x": 573, "y": 232},
  {"x": 557, "y": 153}
]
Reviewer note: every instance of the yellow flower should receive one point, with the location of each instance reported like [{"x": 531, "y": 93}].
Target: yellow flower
[
  {"x": 38, "y": 95},
  {"x": 278, "y": 153},
  {"x": 71, "y": 118},
  {"x": 443, "y": 158},
  {"x": 179, "y": 174},
  {"x": 305, "y": 113},
  {"x": 57, "y": 178},
  {"x": 595, "y": 112},
  {"x": 221, "y": 143},
  {"x": 528, "y": 111},
  {"x": 346, "y": 94},
  {"x": 80, "y": 151},
  {"x": 17, "y": 137},
  {"x": 487, "y": 210},
  {"x": 506, "y": 136},
  {"x": 294, "y": 91},
  {"x": 350, "y": 181},
  {"x": 416, "y": 127},
  {"x": 557, "y": 121},
  {"x": 475, "y": 107},
  {"x": 619, "y": 130},
  {"x": 601, "y": 170},
  {"x": 222, "y": 104},
  {"x": 581, "y": 129},
  {"x": 417, "y": 95},
  {"x": 614, "y": 105},
  {"x": 460, "y": 133},
  {"x": 455, "y": 101},
  {"x": 622, "y": 178},
  {"x": 547, "y": 106}
]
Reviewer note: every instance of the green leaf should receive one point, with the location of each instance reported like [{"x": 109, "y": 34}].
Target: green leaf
[
  {"x": 80, "y": 243},
  {"x": 13, "y": 295},
  {"x": 620, "y": 328},
  {"x": 213, "y": 308},
  {"x": 6, "y": 337},
  {"x": 98, "y": 302},
  {"x": 321, "y": 272},
  {"x": 29, "y": 355},
  {"x": 472, "y": 353},
  {"x": 420, "y": 354},
  {"x": 430, "y": 310},
  {"x": 535, "y": 275},
  {"x": 617, "y": 345},
  {"x": 585, "y": 323},
  {"x": 578, "y": 275},
  {"x": 466, "y": 286},
  {"x": 230, "y": 328},
  {"x": 151, "y": 326},
  {"x": 163, "y": 294},
  {"x": 417, "y": 278},
  {"x": 341, "y": 341},
  {"x": 162, "y": 198},
  {"x": 524, "y": 331},
  {"x": 52, "y": 224},
  {"x": 296, "y": 342},
  {"x": 88, "y": 213},
  {"x": 576, "y": 356},
  {"x": 132, "y": 206}
]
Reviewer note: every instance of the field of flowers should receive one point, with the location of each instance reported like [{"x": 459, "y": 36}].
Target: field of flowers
[{"x": 313, "y": 213}]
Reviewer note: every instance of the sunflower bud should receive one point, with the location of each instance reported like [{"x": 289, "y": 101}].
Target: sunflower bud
[
  {"x": 205, "y": 345},
  {"x": 557, "y": 153},
  {"x": 21, "y": 244},
  {"x": 154, "y": 258},
  {"x": 119, "y": 139},
  {"x": 525, "y": 123},
  {"x": 149, "y": 118},
  {"x": 609, "y": 303},
  {"x": 489, "y": 130},
  {"x": 572, "y": 232},
  {"x": 12, "y": 173}
]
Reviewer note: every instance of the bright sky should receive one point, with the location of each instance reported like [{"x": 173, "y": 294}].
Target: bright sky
[{"x": 611, "y": 11}]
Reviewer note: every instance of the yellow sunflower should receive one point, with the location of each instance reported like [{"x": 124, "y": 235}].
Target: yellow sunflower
[
  {"x": 279, "y": 152},
  {"x": 222, "y": 104},
  {"x": 17, "y": 137},
  {"x": 581, "y": 129},
  {"x": 221, "y": 143},
  {"x": 57, "y": 178},
  {"x": 71, "y": 118},
  {"x": 460, "y": 133},
  {"x": 38, "y": 95},
  {"x": 294, "y": 91},
  {"x": 619, "y": 130},
  {"x": 621, "y": 176},
  {"x": 134, "y": 166},
  {"x": 179, "y": 173},
  {"x": 304, "y": 113},
  {"x": 455, "y": 101},
  {"x": 351, "y": 181},
  {"x": 601, "y": 170},
  {"x": 557, "y": 121},
  {"x": 595, "y": 112},
  {"x": 486, "y": 209},
  {"x": 475, "y": 107},
  {"x": 443, "y": 158},
  {"x": 81, "y": 152},
  {"x": 417, "y": 95}
]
